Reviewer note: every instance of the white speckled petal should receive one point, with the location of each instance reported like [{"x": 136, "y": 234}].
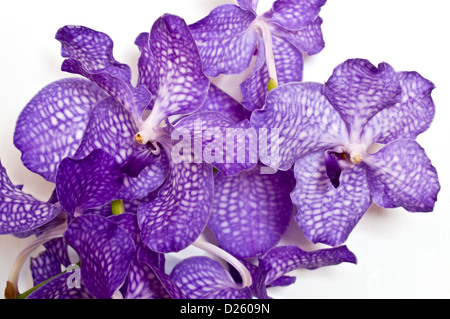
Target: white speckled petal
[
  {"x": 300, "y": 119},
  {"x": 110, "y": 128},
  {"x": 248, "y": 4},
  {"x": 294, "y": 14},
  {"x": 90, "y": 53},
  {"x": 359, "y": 90},
  {"x": 52, "y": 124},
  {"x": 251, "y": 211},
  {"x": 57, "y": 288},
  {"x": 408, "y": 118},
  {"x": 327, "y": 214},
  {"x": 228, "y": 146},
  {"x": 204, "y": 278},
  {"x": 225, "y": 41},
  {"x": 87, "y": 183},
  {"x": 21, "y": 212},
  {"x": 44, "y": 266},
  {"x": 105, "y": 252},
  {"x": 219, "y": 101},
  {"x": 401, "y": 174},
  {"x": 176, "y": 218},
  {"x": 182, "y": 84},
  {"x": 284, "y": 259}
]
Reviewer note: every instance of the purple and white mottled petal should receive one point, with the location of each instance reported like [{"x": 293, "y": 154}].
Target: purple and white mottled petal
[
  {"x": 142, "y": 283},
  {"x": 87, "y": 183},
  {"x": 105, "y": 252},
  {"x": 307, "y": 40},
  {"x": 225, "y": 40},
  {"x": 57, "y": 288},
  {"x": 248, "y": 4},
  {"x": 43, "y": 267},
  {"x": 110, "y": 128},
  {"x": 251, "y": 211},
  {"x": 300, "y": 120},
  {"x": 52, "y": 124},
  {"x": 359, "y": 90},
  {"x": 21, "y": 212},
  {"x": 327, "y": 214},
  {"x": 217, "y": 140},
  {"x": 176, "y": 218},
  {"x": 172, "y": 289},
  {"x": 401, "y": 175},
  {"x": 58, "y": 248},
  {"x": 148, "y": 180},
  {"x": 93, "y": 49},
  {"x": 204, "y": 278},
  {"x": 219, "y": 101},
  {"x": 408, "y": 118},
  {"x": 182, "y": 85},
  {"x": 284, "y": 259},
  {"x": 89, "y": 53},
  {"x": 148, "y": 73},
  {"x": 289, "y": 67},
  {"x": 294, "y": 14}
]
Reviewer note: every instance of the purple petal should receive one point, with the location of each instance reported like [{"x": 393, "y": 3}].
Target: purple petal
[
  {"x": 359, "y": 90},
  {"x": 284, "y": 259},
  {"x": 142, "y": 283},
  {"x": 225, "y": 41},
  {"x": 57, "y": 288},
  {"x": 327, "y": 214},
  {"x": 248, "y": 4},
  {"x": 294, "y": 14},
  {"x": 251, "y": 211},
  {"x": 52, "y": 124},
  {"x": 181, "y": 211},
  {"x": 58, "y": 248},
  {"x": 182, "y": 85},
  {"x": 172, "y": 289},
  {"x": 204, "y": 278},
  {"x": 148, "y": 180},
  {"x": 307, "y": 40},
  {"x": 148, "y": 73},
  {"x": 91, "y": 48},
  {"x": 401, "y": 174},
  {"x": 300, "y": 120},
  {"x": 89, "y": 53},
  {"x": 289, "y": 67},
  {"x": 217, "y": 140},
  {"x": 21, "y": 212},
  {"x": 105, "y": 252},
  {"x": 90, "y": 182},
  {"x": 407, "y": 119},
  {"x": 43, "y": 267},
  {"x": 219, "y": 101},
  {"x": 111, "y": 128}
]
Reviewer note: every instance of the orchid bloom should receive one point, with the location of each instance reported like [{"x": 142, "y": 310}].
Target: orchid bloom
[
  {"x": 231, "y": 35},
  {"x": 330, "y": 132}
]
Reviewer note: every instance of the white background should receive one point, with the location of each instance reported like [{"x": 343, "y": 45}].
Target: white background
[{"x": 400, "y": 254}]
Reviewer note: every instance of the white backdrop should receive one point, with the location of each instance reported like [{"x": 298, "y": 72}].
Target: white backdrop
[{"x": 400, "y": 254}]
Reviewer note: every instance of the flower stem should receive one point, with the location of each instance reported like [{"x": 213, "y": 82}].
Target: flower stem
[
  {"x": 12, "y": 290},
  {"x": 263, "y": 27},
  {"x": 213, "y": 249}
]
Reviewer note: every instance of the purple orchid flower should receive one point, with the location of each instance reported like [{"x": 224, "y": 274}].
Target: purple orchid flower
[
  {"x": 329, "y": 132},
  {"x": 206, "y": 278},
  {"x": 114, "y": 263},
  {"x": 230, "y": 36}
]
